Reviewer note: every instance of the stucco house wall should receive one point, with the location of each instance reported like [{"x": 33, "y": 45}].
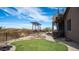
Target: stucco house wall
[{"x": 73, "y": 14}]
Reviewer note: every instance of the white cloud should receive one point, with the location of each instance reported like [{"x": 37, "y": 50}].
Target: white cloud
[
  {"x": 35, "y": 14},
  {"x": 9, "y": 11}
]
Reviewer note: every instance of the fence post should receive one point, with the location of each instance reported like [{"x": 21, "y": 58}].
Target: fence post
[{"x": 6, "y": 37}]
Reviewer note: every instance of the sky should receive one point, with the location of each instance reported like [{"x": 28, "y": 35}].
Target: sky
[{"x": 21, "y": 17}]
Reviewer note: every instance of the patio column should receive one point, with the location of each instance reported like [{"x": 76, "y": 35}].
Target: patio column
[
  {"x": 32, "y": 26},
  {"x": 39, "y": 27},
  {"x": 35, "y": 27}
]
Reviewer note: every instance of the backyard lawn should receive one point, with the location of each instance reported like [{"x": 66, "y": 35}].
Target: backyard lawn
[{"x": 39, "y": 45}]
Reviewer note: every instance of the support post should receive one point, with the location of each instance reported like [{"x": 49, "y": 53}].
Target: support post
[
  {"x": 6, "y": 37},
  {"x": 32, "y": 26},
  {"x": 35, "y": 27},
  {"x": 40, "y": 27}
]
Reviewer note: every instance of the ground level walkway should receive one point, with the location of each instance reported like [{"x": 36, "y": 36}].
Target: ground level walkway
[{"x": 72, "y": 46}]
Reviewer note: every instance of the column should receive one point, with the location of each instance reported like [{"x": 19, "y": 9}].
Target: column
[
  {"x": 32, "y": 26},
  {"x": 40, "y": 27},
  {"x": 35, "y": 27}
]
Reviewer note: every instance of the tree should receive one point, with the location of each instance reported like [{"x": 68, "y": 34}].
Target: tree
[{"x": 47, "y": 29}]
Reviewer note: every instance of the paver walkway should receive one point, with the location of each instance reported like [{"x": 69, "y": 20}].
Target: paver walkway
[{"x": 72, "y": 46}]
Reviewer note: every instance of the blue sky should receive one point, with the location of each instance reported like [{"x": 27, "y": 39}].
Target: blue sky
[{"x": 20, "y": 17}]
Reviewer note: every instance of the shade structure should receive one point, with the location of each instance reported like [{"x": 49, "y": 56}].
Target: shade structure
[{"x": 36, "y": 26}]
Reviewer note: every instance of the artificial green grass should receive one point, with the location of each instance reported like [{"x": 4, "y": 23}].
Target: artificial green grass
[{"x": 39, "y": 45}]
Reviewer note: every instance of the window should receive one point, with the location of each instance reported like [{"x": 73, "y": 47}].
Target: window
[{"x": 69, "y": 25}]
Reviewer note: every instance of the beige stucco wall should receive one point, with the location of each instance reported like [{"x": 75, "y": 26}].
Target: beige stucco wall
[{"x": 74, "y": 16}]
